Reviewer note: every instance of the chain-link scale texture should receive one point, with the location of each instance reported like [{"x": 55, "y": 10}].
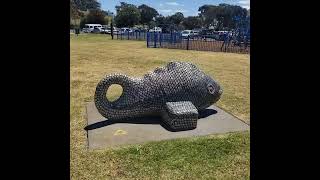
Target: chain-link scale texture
[{"x": 176, "y": 92}]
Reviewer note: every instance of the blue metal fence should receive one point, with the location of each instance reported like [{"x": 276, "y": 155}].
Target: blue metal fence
[
  {"x": 155, "y": 39},
  {"x": 226, "y": 43},
  {"x": 132, "y": 36},
  {"x": 200, "y": 43}
]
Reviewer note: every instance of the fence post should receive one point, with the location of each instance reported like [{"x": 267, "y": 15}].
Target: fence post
[
  {"x": 171, "y": 37},
  {"x": 120, "y": 35},
  {"x": 188, "y": 43},
  {"x": 128, "y": 35},
  {"x": 160, "y": 41},
  {"x": 174, "y": 38},
  {"x": 147, "y": 39},
  {"x": 139, "y": 35},
  {"x": 155, "y": 39}
]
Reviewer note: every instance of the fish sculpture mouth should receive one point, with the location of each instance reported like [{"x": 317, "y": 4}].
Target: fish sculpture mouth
[{"x": 179, "y": 86}]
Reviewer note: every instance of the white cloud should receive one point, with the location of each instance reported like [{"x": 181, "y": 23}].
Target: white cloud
[
  {"x": 165, "y": 10},
  {"x": 244, "y": 3},
  {"x": 181, "y": 10},
  {"x": 161, "y": 4},
  {"x": 172, "y": 3},
  {"x": 247, "y": 7}
]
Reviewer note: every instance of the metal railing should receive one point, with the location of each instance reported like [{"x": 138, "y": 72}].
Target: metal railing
[
  {"x": 177, "y": 41},
  {"x": 198, "y": 43},
  {"x": 131, "y": 35}
]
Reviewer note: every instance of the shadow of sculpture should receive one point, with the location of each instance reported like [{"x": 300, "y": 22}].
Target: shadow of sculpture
[{"x": 145, "y": 120}]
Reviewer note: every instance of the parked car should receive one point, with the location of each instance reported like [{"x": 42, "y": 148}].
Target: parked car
[
  {"x": 189, "y": 33},
  {"x": 108, "y": 30},
  {"x": 90, "y": 27},
  {"x": 195, "y": 32},
  {"x": 155, "y": 29},
  {"x": 98, "y": 30},
  {"x": 125, "y": 30},
  {"x": 210, "y": 34}
]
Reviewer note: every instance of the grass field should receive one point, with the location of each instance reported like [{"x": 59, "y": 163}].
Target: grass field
[{"x": 209, "y": 157}]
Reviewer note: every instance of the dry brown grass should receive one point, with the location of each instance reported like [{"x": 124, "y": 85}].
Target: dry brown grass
[{"x": 94, "y": 56}]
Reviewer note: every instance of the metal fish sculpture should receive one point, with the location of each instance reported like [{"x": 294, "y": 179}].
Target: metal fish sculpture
[{"x": 176, "y": 92}]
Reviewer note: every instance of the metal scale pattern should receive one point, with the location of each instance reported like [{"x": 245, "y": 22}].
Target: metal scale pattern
[{"x": 176, "y": 92}]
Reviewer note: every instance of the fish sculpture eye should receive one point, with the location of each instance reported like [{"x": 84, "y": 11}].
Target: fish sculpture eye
[{"x": 211, "y": 89}]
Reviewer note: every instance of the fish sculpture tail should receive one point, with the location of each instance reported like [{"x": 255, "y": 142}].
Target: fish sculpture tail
[{"x": 105, "y": 107}]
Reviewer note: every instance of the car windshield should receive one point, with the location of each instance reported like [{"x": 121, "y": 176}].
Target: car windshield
[{"x": 185, "y": 32}]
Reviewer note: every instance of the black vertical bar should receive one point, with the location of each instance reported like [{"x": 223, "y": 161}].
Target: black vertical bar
[
  {"x": 111, "y": 29},
  {"x": 155, "y": 40},
  {"x": 188, "y": 43},
  {"x": 128, "y": 35},
  {"x": 160, "y": 39},
  {"x": 147, "y": 39}
]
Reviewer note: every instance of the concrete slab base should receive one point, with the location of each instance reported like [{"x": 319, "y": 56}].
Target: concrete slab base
[{"x": 103, "y": 133}]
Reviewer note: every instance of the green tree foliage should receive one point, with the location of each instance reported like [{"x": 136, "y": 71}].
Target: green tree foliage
[
  {"x": 84, "y": 5},
  {"x": 192, "y": 22},
  {"x": 170, "y": 23},
  {"x": 160, "y": 20},
  {"x": 222, "y": 15},
  {"x": 75, "y": 15},
  {"x": 74, "y": 11},
  {"x": 177, "y": 18},
  {"x": 94, "y": 17},
  {"x": 164, "y": 22},
  {"x": 152, "y": 24},
  {"x": 147, "y": 14},
  {"x": 128, "y": 15}
]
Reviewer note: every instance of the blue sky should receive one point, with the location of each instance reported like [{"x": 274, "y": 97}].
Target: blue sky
[{"x": 169, "y": 7}]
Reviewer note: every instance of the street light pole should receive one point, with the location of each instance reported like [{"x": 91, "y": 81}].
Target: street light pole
[{"x": 111, "y": 26}]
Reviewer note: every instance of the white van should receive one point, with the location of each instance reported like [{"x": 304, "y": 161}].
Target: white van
[
  {"x": 125, "y": 30},
  {"x": 186, "y": 33},
  {"x": 90, "y": 27},
  {"x": 155, "y": 29}
]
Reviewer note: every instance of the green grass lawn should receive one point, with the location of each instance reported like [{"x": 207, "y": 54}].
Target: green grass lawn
[{"x": 208, "y": 157}]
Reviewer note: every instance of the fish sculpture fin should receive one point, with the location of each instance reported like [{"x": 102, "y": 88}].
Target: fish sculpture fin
[{"x": 181, "y": 115}]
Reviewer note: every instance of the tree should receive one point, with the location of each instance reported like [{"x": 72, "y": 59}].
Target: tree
[
  {"x": 84, "y": 5},
  {"x": 147, "y": 14},
  {"x": 128, "y": 15},
  {"x": 223, "y": 15},
  {"x": 160, "y": 20},
  {"x": 94, "y": 17},
  {"x": 192, "y": 22},
  {"x": 74, "y": 11},
  {"x": 177, "y": 18},
  {"x": 164, "y": 23},
  {"x": 75, "y": 15}
]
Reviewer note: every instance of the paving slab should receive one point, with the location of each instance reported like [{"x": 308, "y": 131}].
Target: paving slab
[{"x": 104, "y": 133}]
